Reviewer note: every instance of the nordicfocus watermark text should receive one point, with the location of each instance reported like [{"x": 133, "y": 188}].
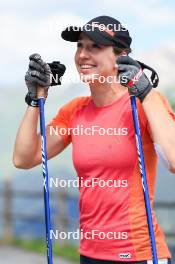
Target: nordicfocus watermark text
[
  {"x": 89, "y": 235},
  {"x": 100, "y": 26},
  {"x": 80, "y": 130},
  {"x": 92, "y": 78},
  {"x": 88, "y": 183}
]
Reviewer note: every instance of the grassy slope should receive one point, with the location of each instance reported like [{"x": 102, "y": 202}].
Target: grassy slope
[{"x": 66, "y": 251}]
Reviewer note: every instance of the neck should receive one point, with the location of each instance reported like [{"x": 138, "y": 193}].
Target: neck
[{"x": 106, "y": 93}]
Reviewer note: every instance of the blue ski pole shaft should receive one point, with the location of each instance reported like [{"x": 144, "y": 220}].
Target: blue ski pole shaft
[
  {"x": 144, "y": 180},
  {"x": 45, "y": 175}
]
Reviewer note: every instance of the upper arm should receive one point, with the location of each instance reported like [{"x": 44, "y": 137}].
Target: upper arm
[
  {"x": 168, "y": 108},
  {"x": 55, "y": 143}
]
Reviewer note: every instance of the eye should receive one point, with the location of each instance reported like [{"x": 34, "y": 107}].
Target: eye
[
  {"x": 79, "y": 44},
  {"x": 96, "y": 46}
]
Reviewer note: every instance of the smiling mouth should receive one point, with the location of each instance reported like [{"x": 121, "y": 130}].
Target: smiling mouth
[{"x": 86, "y": 66}]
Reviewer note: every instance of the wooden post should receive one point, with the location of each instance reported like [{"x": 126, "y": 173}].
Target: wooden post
[
  {"x": 61, "y": 221},
  {"x": 8, "y": 229}
]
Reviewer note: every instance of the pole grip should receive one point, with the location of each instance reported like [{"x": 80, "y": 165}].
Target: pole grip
[{"x": 40, "y": 92}]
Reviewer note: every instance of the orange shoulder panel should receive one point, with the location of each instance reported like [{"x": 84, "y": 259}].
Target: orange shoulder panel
[{"x": 66, "y": 114}]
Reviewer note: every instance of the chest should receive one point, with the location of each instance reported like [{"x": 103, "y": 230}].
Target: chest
[{"x": 103, "y": 139}]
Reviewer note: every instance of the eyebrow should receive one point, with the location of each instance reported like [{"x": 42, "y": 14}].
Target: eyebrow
[
  {"x": 83, "y": 40},
  {"x": 89, "y": 41}
]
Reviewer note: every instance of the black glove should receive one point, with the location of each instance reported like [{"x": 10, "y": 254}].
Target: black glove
[
  {"x": 42, "y": 74},
  {"x": 38, "y": 74},
  {"x": 132, "y": 76}
]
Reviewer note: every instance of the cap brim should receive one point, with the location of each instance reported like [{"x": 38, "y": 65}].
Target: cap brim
[{"x": 73, "y": 33}]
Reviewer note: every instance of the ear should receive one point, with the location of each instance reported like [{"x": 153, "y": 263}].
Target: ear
[{"x": 115, "y": 66}]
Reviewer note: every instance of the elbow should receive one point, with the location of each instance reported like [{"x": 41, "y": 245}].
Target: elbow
[
  {"x": 172, "y": 165},
  {"x": 20, "y": 164},
  {"x": 172, "y": 168}
]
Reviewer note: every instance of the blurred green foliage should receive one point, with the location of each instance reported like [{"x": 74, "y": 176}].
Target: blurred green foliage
[{"x": 66, "y": 251}]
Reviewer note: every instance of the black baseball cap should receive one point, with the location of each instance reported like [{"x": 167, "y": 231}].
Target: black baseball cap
[{"x": 104, "y": 30}]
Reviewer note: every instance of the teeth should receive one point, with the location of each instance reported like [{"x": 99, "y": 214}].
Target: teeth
[{"x": 86, "y": 66}]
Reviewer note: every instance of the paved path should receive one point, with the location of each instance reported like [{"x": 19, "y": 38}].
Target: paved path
[{"x": 11, "y": 255}]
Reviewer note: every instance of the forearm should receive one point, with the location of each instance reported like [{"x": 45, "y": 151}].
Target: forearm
[
  {"x": 161, "y": 124},
  {"x": 26, "y": 140}
]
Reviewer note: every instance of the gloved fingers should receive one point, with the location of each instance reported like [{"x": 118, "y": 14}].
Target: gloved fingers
[
  {"x": 124, "y": 79},
  {"x": 35, "y": 66},
  {"x": 127, "y": 70},
  {"x": 37, "y": 77},
  {"x": 39, "y": 82},
  {"x": 46, "y": 68},
  {"x": 43, "y": 68},
  {"x": 37, "y": 58},
  {"x": 128, "y": 61},
  {"x": 123, "y": 68}
]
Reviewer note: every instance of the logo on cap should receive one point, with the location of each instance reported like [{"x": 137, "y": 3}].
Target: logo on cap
[{"x": 104, "y": 28}]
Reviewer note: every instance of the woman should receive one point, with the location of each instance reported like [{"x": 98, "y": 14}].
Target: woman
[{"x": 112, "y": 212}]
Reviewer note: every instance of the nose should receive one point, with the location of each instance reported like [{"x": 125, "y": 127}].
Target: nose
[{"x": 83, "y": 53}]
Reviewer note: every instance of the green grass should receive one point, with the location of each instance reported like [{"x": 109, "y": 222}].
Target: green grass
[{"x": 66, "y": 251}]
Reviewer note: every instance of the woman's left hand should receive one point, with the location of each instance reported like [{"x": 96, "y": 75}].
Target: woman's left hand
[{"x": 132, "y": 76}]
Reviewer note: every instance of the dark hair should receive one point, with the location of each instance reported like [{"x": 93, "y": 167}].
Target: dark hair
[{"x": 117, "y": 50}]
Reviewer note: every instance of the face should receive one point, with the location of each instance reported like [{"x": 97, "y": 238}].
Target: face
[{"x": 92, "y": 59}]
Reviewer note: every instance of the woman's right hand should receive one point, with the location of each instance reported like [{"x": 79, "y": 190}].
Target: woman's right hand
[{"x": 38, "y": 74}]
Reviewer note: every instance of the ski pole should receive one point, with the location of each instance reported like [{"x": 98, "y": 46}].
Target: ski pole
[
  {"x": 144, "y": 180},
  {"x": 40, "y": 93}
]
